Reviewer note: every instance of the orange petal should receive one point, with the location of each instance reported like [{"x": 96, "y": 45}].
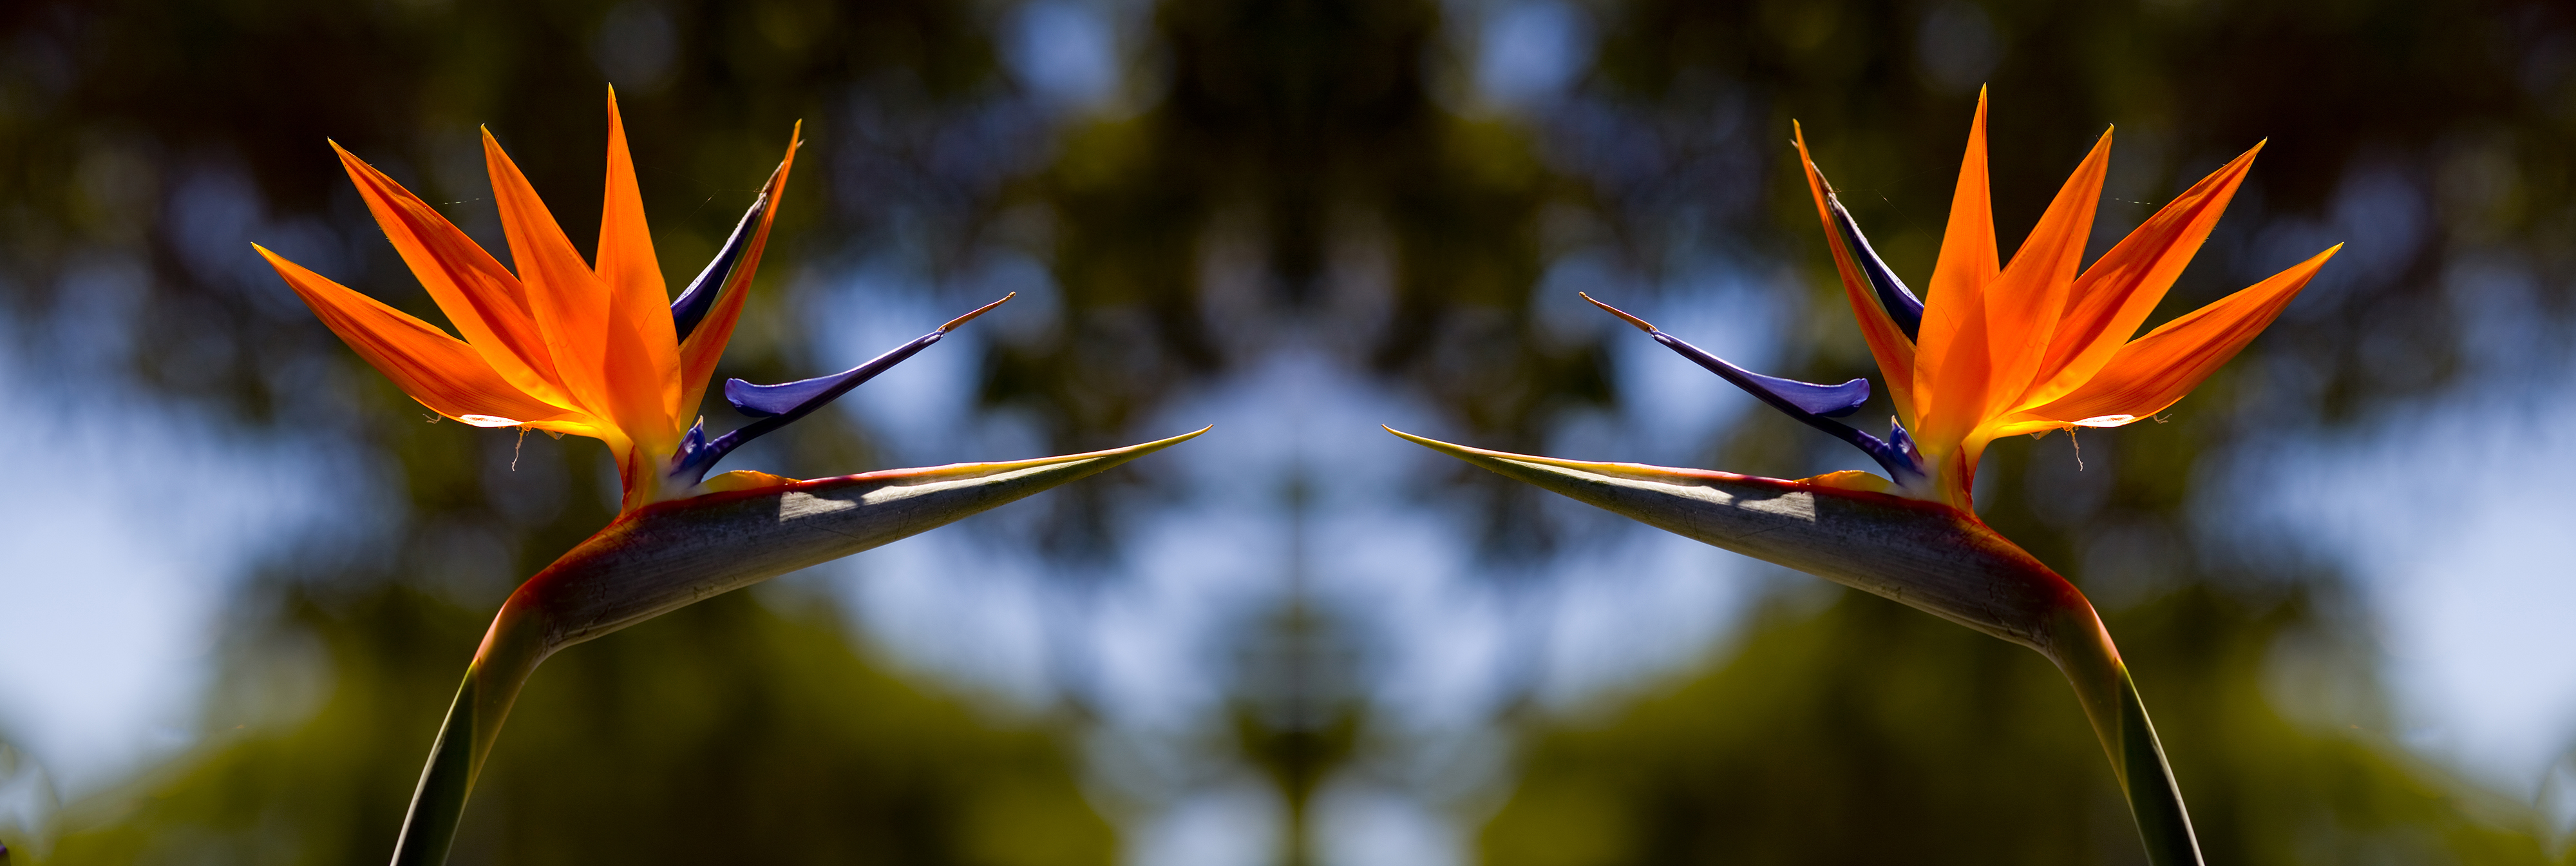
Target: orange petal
[
  {"x": 440, "y": 371},
  {"x": 570, "y": 306},
  {"x": 1887, "y": 342},
  {"x": 2154, "y": 372},
  {"x": 1950, "y": 360},
  {"x": 707, "y": 343},
  {"x": 2114, "y": 296},
  {"x": 484, "y": 301},
  {"x": 639, "y": 302},
  {"x": 2025, "y": 301}
]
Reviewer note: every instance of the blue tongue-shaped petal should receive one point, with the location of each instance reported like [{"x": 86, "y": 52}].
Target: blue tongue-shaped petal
[
  {"x": 700, "y": 297},
  {"x": 1812, "y": 404},
  {"x": 761, "y": 401},
  {"x": 1831, "y": 401},
  {"x": 787, "y": 401},
  {"x": 1899, "y": 302},
  {"x": 1787, "y": 395},
  {"x": 777, "y": 405}
]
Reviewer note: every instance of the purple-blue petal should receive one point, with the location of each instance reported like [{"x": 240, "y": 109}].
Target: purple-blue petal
[
  {"x": 761, "y": 401},
  {"x": 1811, "y": 404},
  {"x": 693, "y": 304},
  {"x": 1831, "y": 401},
  {"x": 1787, "y": 395},
  {"x": 1899, "y": 302},
  {"x": 775, "y": 406},
  {"x": 1896, "y": 454},
  {"x": 792, "y": 400},
  {"x": 779, "y": 405}
]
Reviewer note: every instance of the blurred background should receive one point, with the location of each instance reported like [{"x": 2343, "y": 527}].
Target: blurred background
[{"x": 243, "y": 573}]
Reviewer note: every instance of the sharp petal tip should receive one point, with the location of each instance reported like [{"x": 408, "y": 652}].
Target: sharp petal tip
[
  {"x": 1615, "y": 311},
  {"x": 1410, "y": 437},
  {"x": 1428, "y": 442},
  {"x": 978, "y": 311}
]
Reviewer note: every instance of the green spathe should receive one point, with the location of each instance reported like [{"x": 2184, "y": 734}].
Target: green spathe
[
  {"x": 668, "y": 555},
  {"x": 1924, "y": 554}
]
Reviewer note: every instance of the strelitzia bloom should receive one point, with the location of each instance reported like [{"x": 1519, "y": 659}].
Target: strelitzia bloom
[
  {"x": 1997, "y": 349},
  {"x": 600, "y": 349}
]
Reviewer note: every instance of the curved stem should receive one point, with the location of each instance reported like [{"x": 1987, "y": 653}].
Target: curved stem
[
  {"x": 510, "y": 652},
  {"x": 2083, "y": 651},
  {"x": 1933, "y": 557},
  {"x": 668, "y": 555}
]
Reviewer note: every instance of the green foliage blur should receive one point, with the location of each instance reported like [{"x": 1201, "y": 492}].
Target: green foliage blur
[
  {"x": 751, "y": 728},
  {"x": 1395, "y": 222},
  {"x": 1842, "y": 728},
  {"x": 1865, "y": 732},
  {"x": 739, "y": 730}
]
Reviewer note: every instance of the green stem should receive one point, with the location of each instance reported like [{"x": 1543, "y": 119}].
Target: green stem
[
  {"x": 510, "y": 652},
  {"x": 2084, "y": 652}
]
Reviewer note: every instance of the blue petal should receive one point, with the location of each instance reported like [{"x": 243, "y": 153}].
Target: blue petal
[
  {"x": 700, "y": 297},
  {"x": 761, "y": 401},
  {"x": 1896, "y": 454},
  {"x": 1899, "y": 302},
  {"x": 1812, "y": 404},
  {"x": 1787, "y": 395},
  {"x": 778, "y": 405},
  {"x": 1831, "y": 401}
]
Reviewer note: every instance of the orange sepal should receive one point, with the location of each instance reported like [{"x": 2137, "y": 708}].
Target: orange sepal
[
  {"x": 570, "y": 306},
  {"x": 2024, "y": 302},
  {"x": 440, "y": 371},
  {"x": 644, "y": 357},
  {"x": 2114, "y": 296},
  {"x": 483, "y": 300},
  {"x": 1888, "y": 344},
  {"x": 1950, "y": 354},
  {"x": 1850, "y": 479},
  {"x": 699, "y": 352},
  {"x": 743, "y": 479},
  {"x": 2156, "y": 371}
]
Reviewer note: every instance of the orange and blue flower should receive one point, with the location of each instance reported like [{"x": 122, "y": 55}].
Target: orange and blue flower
[
  {"x": 600, "y": 349},
  {"x": 2028, "y": 346},
  {"x": 567, "y": 346}
]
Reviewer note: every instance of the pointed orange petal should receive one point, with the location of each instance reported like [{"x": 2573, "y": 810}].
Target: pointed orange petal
[
  {"x": 570, "y": 306},
  {"x": 639, "y": 302},
  {"x": 1887, "y": 342},
  {"x": 1950, "y": 360},
  {"x": 440, "y": 371},
  {"x": 484, "y": 301},
  {"x": 2024, "y": 302},
  {"x": 2160, "y": 368},
  {"x": 707, "y": 343},
  {"x": 2115, "y": 295}
]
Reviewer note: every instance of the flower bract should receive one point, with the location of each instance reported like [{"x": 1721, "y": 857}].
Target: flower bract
[
  {"x": 601, "y": 349},
  {"x": 2028, "y": 346},
  {"x": 595, "y": 349}
]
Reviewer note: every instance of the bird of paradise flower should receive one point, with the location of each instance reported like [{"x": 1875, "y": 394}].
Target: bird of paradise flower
[
  {"x": 1997, "y": 349},
  {"x": 601, "y": 350}
]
